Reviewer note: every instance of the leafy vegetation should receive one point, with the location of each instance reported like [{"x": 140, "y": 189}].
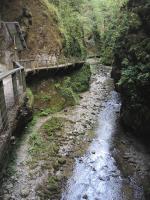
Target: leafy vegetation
[
  {"x": 39, "y": 144},
  {"x": 73, "y": 85},
  {"x": 89, "y": 26},
  {"x": 54, "y": 95},
  {"x": 108, "y": 22},
  {"x": 132, "y": 61}
]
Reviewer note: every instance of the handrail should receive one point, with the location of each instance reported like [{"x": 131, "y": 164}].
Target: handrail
[
  {"x": 16, "y": 78},
  {"x": 5, "y": 74},
  {"x": 39, "y": 63}
]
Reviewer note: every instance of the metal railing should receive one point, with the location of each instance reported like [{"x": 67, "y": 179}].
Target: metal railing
[
  {"x": 53, "y": 62},
  {"x": 12, "y": 88}
]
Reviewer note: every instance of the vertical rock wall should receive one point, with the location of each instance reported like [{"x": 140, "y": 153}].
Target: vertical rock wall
[{"x": 132, "y": 68}]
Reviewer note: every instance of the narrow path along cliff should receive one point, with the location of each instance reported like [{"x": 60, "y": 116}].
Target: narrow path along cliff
[{"x": 84, "y": 153}]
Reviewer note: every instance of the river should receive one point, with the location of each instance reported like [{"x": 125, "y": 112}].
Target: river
[
  {"x": 110, "y": 164},
  {"x": 96, "y": 175}
]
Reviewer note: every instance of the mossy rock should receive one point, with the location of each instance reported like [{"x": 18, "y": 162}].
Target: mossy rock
[
  {"x": 53, "y": 184},
  {"x": 62, "y": 161},
  {"x": 56, "y": 165}
]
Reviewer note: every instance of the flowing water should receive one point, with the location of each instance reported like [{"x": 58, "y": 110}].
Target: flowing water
[
  {"x": 96, "y": 175},
  {"x": 116, "y": 165}
]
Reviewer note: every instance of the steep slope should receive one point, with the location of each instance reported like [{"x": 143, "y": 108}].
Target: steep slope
[{"x": 39, "y": 23}]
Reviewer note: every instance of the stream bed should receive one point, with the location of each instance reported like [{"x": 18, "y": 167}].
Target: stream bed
[
  {"x": 113, "y": 168},
  {"x": 87, "y": 156},
  {"x": 96, "y": 175}
]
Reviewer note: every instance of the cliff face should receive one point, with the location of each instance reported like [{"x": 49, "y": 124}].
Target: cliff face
[
  {"x": 39, "y": 24},
  {"x": 132, "y": 68}
]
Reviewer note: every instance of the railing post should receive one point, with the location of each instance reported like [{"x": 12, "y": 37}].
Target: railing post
[
  {"x": 19, "y": 77},
  {"x": 15, "y": 89},
  {"x": 46, "y": 64},
  {"x": 31, "y": 64},
  {"x": 23, "y": 79},
  {"x": 15, "y": 66},
  {"x": 3, "y": 108}
]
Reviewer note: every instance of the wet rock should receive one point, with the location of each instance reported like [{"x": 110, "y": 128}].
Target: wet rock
[
  {"x": 114, "y": 175},
  {"x": 85, "y": 196},
  {"x": 101, "y": 178},
  {"x": 93, "y": 169},
  {"x": 80, "y": 160},
  {"x": 126, "y": 157},
  {"x": 123, "y": 142}
]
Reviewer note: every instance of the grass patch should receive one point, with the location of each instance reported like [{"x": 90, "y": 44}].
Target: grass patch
[
  {"x": 80, "y": 80},
  {"x": 54, "y": 124},
  {"x": 54, "y": 95},
  {"x": 71, "y": 98},
  {"x": 42, "y": 143}
]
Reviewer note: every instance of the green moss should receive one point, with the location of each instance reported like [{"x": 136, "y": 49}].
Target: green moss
[
  {"x": 54, "y": 95},
  {"x": 52, "y": 109},
  {"x": 80, "y": 79},
  {"x": 62, "y": 161},
  {"x": 42, "y": 143},
  {"x": 74, "y": 84},
  {"x": 30, "y": 97},
  {"x": 46, "y": 98},
  {"x": 71, "y": 98}
]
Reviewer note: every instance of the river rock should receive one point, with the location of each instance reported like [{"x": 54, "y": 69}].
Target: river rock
[
  {"x": 80, "y": 160},
  {"x": 24, "y": 192},
  {"x": 62, "y": 161},
  {"x": 7, "y": 197},
  {"x": 9, "y": 186},
  {"x": 101, "y": 178},
  {"x": 85, "y": 196}
]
